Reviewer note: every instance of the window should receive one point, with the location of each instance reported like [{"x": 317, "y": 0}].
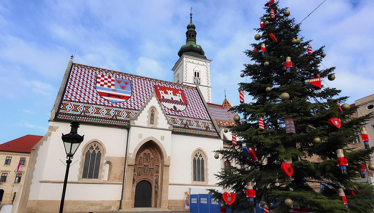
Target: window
[
  {"x": 199, "y": 166},
  {"x": 92, "y": 161},
  {"x": 3, "y": 177},
  {"x": 8, "y": 160},
  {"x": 18, "y": 178},
  {"x": 152, "y": 119},
  {"x": 23, "y": 161},
  {"x": 196, "y": 76}
]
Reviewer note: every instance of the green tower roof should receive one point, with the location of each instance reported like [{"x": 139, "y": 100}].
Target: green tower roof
[{"x": 191, "y": 48}]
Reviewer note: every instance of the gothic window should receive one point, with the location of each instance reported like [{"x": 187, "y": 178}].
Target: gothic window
[
  {"x": 199, "y": 162},
  {"x": 152, "y": 120},
  {"x": 196, "y": 76},
  {"x": 92, "y": 161},
  {"x": 152, "y": 117}
]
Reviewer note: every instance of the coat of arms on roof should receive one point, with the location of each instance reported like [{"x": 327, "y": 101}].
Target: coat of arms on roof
[
  {"x": 113, "y": 89},
  {"x": 171, "y": 98}
]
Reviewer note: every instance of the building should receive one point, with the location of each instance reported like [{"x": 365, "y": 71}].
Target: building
[
  {"x": 14, "y": 159},
  {"x": 146, "y": 143}
]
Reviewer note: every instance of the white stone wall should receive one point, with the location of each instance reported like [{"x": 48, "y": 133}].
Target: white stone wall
[
  {"x": 52, "y": 191},
  {"x": 183, "y": 147},
  {"x": 113, "y": 139},
  {"x": 50, "y": 168},
  {"x": 184, "y": 69}
]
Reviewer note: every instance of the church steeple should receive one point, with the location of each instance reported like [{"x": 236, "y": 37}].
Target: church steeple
[{"x": 191, "y": 48}]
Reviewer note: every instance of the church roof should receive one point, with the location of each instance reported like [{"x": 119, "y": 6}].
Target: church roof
[
  {"x": 23, "y": 144},
  {"x": 105, "y": 96},
  {"x": 221, "y": 113}
]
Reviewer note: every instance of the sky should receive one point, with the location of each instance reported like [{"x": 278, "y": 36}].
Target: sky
[{"x": 144, "y": 37}]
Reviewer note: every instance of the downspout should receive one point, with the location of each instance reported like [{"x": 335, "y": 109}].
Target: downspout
[{"x": 124, "y": 169}]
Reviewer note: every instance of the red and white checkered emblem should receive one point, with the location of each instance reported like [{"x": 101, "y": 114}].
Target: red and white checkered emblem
[{"x": 105, "y": 81}]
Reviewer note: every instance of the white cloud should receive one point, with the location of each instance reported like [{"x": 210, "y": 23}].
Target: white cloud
[
  {"x": 32, "y": 126},
  {"x": 31, "y": 112},
  {"x": 48, "y": 62},
  {"x": 150, "y": 68}
]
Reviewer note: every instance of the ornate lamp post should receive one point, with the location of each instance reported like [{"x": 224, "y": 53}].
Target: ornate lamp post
[{"x": 71, "y": 141}]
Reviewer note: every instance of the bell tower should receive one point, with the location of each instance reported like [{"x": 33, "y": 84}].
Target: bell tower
[{"x": 193, "y": 68}]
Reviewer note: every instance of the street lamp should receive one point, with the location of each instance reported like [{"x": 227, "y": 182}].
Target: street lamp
[{"x": 71, "y": 141}]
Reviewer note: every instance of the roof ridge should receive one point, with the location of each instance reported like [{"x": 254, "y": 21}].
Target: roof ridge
[{"x": 138, "y": 76}]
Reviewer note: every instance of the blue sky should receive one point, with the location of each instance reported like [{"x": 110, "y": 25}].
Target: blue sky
[{"x": 143, "y": 38}]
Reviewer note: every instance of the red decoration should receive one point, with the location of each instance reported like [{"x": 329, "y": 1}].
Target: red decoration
[
  {"x": 272, "y": 14},
  {"x": 241, "y": 96},
  {"x": 266, "y": 209},
  {"x": 234, "y": 139},
  {"x": 335, "y": 123},
  {"x": 310, "y": 51},
  {"x": 272, "y": 36},
  {"x": 261, "y": 123},
  {"x": 340, "y": 108},
  {"x": 342, "y": 161},
  {"x": 269, "y": 3},
  {"x": 363, "y": 170},
  {"x": 287, "y": 168},
  {"x": 251, "y": 193},
  {"x": 343, "y": 197},
  {"x": 263, "y": 48},
  {"x": 262, "y": 24},
  {"x": 252, "y": 154},
  {"x": 314, "y": 81},
  {"x": 364, "y": 135},
  {"x": 255, "y": 50},
  {"x": 288, "y": 64},
  {"x": 229, "y": 198}
]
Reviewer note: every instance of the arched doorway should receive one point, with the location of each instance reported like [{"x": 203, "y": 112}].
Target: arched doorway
[
  {"x": 1, "y": 195},
  {"x": 143, "y": 194},
  {"x": 147, "y": 174}
]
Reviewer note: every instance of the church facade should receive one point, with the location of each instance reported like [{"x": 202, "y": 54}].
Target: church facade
[{"x": 146, "y": 142}]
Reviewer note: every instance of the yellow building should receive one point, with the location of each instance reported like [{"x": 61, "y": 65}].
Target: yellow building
[{"x": 14, "y": 156}]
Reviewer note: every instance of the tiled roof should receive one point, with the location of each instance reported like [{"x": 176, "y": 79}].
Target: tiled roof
[
  {"x": 82, "y": 101},
  {"x": 23, "y": 144},
  {"x": 221, "y": 114}
]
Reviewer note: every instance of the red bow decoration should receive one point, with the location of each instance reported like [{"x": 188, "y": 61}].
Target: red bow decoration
[
  {"x": 229, "y": 198},
  {"x": 270, "y": 2},
  {"x": 272, "y": 36},
  {"x": 252, "y": 154},
  {"x": 335, "y": 123},
  {"x": 287, "y": 168}
]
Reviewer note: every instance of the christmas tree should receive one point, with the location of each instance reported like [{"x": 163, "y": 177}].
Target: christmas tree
[{"x": 294, "y": 136}]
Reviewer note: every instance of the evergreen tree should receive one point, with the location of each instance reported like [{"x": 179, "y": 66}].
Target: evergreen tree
[{"x": 314, "y": 161}]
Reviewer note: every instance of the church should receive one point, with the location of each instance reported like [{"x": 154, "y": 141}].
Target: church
[{"x": 146, "y": 141}]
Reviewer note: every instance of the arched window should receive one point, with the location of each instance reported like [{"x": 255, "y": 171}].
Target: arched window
[
  {"x": 92, "y": 161},
  {"x": 152, "y": 119},
  {"x": 198, "y": 163},
  {"x": 196, "y": 76}
]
